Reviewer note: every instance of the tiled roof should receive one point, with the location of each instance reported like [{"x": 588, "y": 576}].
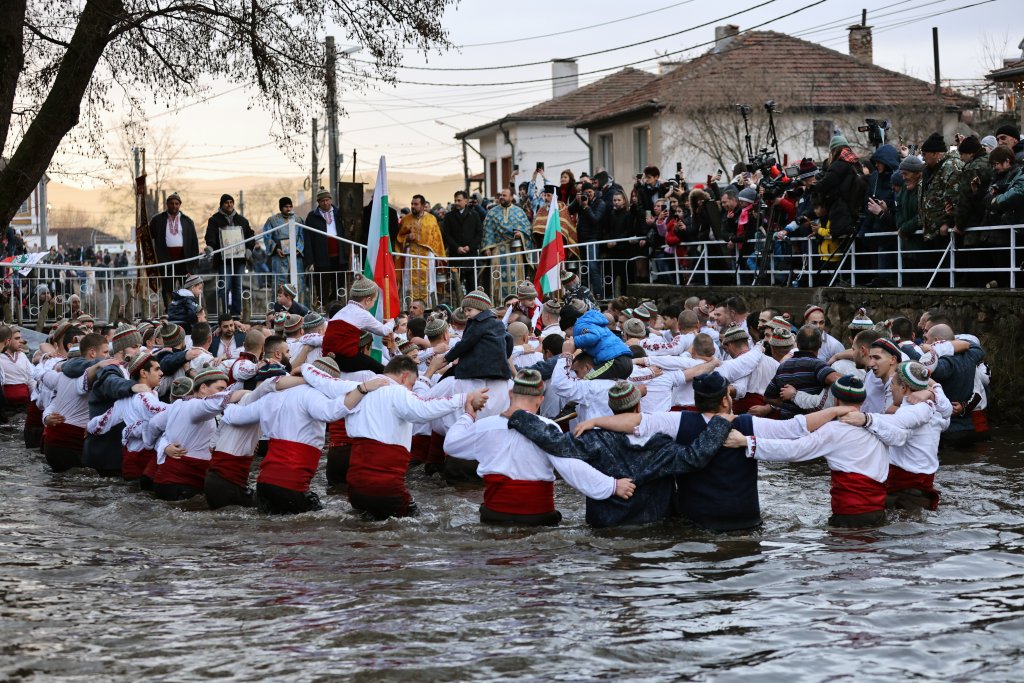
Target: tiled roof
[
  {"x": 576, "y": 103},
  {"x": 808, "y": 75},
  {"x": 1008, "y": 72}
]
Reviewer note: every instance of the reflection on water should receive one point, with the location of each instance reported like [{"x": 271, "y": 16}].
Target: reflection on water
[{"x": 99, "y": 582}]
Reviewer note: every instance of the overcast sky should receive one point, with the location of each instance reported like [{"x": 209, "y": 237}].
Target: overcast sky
[{"x": 402, "y": 121}]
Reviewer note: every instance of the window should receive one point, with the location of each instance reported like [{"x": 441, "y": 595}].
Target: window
[
  {"x": 605, "y": 156},
  {"x": 506, "y": 174},
  {"x": 495, "y": 187},
  {"x": 641, "y": 147},
  {"x": 822, "y": 132}
]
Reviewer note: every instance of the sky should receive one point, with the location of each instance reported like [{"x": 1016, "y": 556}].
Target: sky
[{"x": 225, "y": 133}]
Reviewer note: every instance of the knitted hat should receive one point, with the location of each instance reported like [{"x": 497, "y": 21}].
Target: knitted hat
[
  {"x": 181, "y": 387},
  {"x": 526, "y": 291},
  {"x": 552, "y": 307},
  {"x": 888, "y": 346},
  {"x": 459, "y": 315},
  {"x": 226, "y": 198},
  {"x": 172, "y": 335},
  {"x": 59, "y": 331},
  {"x": 733, "y": 334},
  {"x": 136, "y": 362},
  {"x": 366, "y": 337},
  {"x": 989, "y": 142},
  {"x": 173, "y": 195},
  {"x": 279, "y": 321},
  {"x": 283, "y": 202},
  {"x": 849, "y": 389},
  {"x": 641, "y": 313},
  {"x": 623, "y": 396},
  {"x": 779, "y": 322},
  {"x": 568, "y": 277},
  {"x": 1010, "y": 130},
  {"x": 914, "y": 375},
  {"x": 312, "y": 321},
  {"x": 408, "y": 347},
  {"x": 191, "y": 281},
  {"x": 861, "y": 321},
  {"x": 912, "y": 164},
  {"x": 812, "y": 309},
  {"x": 478, "y": 300},
  {"x": 293, "y": 323},
  {"x": 781, "y": 337},
  {"x": 84, "y": 319},
  {"x": 518, "y": 329},
  {"x": 934, "y": 143},
  {"x": 634, "y": 328},
  {"x": 144, "y": 328},
  {"x": 807, "y": 167},
  {"x": 328, "y": 365},
  {"x": 271, "y": 370},
  {"x": 580, "y": 305},
  {"x": 322, "y": 194},
  {"x": 435, "y": 327},
  {"x": 710, "y": 385},
  {"x": 209, "y": 375},
  {"x": 361, "y": 288},
  {"x": 650, "y": 306},
  {"x": 969, "y": 145},
  {"x": 125, "y": 337},
  {"x": 290, "y": 289},
  {"x": 837, "y": 141},
  {"x": 748, "y": 195},
  {"x": 528, "y": 383}
]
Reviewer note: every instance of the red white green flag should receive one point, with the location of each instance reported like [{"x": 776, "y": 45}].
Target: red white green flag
[
  {"x": 379, "y": 265},
  {"x": 552, "y": 254}
]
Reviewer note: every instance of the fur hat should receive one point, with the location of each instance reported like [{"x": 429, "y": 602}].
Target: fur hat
[
  {"x": 478, "y": 300},
  {"x": 623, "y": 396},
  {"x": 634, "y": 329},
  {"x": 848, "y": 389},
  {"x": 125, "y": 337},
  {"x": 361, "y": 288},
  {"x": 528, "y": 383}
]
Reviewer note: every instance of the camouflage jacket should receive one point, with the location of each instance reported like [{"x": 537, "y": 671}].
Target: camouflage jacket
[
  {"x": 938, "y": 186},
  {"x": 970, "y": 204}
]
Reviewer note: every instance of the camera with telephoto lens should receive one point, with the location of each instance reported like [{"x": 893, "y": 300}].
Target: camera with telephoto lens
[{"x": 874, "y": 128}]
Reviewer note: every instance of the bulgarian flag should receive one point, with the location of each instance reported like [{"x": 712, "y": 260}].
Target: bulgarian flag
[
  {"x": 379, "y": 265},
  {"x": 552, "y": 254}
]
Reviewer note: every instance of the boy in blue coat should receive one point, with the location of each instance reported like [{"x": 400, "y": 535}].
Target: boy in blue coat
[{"x": 612, "y": 358}]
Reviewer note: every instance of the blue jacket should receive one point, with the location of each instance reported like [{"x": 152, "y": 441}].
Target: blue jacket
[{"x": 591, "y": 334}]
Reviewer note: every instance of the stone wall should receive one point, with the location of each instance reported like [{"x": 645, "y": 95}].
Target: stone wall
[{"x": 994, "y": 316}]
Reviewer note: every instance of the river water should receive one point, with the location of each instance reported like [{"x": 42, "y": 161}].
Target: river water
[{"x": 100, "y": 582}]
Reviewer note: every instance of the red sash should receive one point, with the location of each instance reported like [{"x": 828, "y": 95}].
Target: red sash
[
  {"x": 185, "y": 471},
  {"x": 149, "y": 471},
  {"x": 64, "y": 436},
  {"x": 16, "y": 394},
  {"x": 341, "y": 338},
  {"x": 332, "y": 247},
  {"x": 980, "y": 420},
  {"x": 377, "y": 469},
  {"x": 855, "y": 494},
  {"x": 436, "y": 454},
  {"x": 33, "y": 416},
  {"x": 337, "y": 434},
  {"x": 420, "y": 448},
  {"x": 133, "y": 463},
  {"x": 518, "y": 496},
  {"x": 233, "y": 468},
  {"x": 901, "y": 480},
  {"x": 289, "y": 464},
  {"x": 744, "y": 404}
]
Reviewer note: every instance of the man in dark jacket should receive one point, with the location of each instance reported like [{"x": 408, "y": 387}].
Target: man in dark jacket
[
  {"x": 590, "y": 211},
  {"x": 463, "y": 231},
  {"x": 229, "y": 230},
  {"x": 620, "y": 228},
  {"x": 886, "y": 160},
  {"x": 1009, "y": 136},
  {"x": 652, "y": 465},
  {"x": 325, "y": 256},
  {"x": 975, "y": 179},
  {"x": 364, "y": 233},
  {"x": 174, "y": 238}
]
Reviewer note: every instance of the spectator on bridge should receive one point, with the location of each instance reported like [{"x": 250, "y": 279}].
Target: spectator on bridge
[
  {"x": 590, "y": 211},
  {"x": 279, "y": 247},
  {"x": 1009, "y": 136},
  {"x": 972, "y": 191},
  {"x": 174, "y": 239},
  {"x": 939, "y": 186},
  {"x": 886, "y": 161},
  {"x": 325, "y": 256},
  {"x": 841, "y": 188},
  {"x": 229, "y": 230},
  {"x": 463, "y": 233}
]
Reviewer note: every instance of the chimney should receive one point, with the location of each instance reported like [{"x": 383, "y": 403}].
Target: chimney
[
  {"x": 860, "y": 40},
  {"x": 724, "y": 36},
  {"x": 564, "y": 76}
]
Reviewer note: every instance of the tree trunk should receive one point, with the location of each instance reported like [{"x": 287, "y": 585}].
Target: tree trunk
[
  {"x": 60, "y": 112},
  {"x": 12, "y": 60}
]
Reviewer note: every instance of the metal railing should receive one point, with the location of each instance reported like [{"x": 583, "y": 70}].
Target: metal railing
[{"x": 39, "y": 292}]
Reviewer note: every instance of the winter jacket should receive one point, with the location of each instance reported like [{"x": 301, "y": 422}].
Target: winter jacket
[
  {"x": 183, "y": 309},
  {"x": 652, "y": 465},
  {"x": 218, "y": 222},
  {"x": 158, "y": 229},
  {"x": 838, "y": 188},
  {"x": 880, "y": 185},
  {"x": 461, "y": 230},
  {"x": 484, "y": 349},
  {"x": 1005, "y": 213},
  {"x": 939, "y": 186},
  {"x": 970, "y": 204},
  {"x": 589, "y": 219},
  {"x": 903, "y": 216},
  {"x": 316, "y": 253},
  {"x": 591, "y": 334}
]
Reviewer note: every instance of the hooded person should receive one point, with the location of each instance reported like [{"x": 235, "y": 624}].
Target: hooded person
[
  {"x": 842, "y": 188},
  {"x": 886, "y": 161}
]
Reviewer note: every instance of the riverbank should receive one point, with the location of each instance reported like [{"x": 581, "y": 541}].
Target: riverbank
[{"x": 995, "y": 316}]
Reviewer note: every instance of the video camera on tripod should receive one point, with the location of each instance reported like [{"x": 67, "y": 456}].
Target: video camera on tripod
[{"x": 875, "y": 129}]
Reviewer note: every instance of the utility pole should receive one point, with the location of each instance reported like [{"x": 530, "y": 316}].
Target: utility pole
[
  {"x": 43, "y": 212},
  {"x": 241, "y": 202},
  {"x": 332, "y": 113},
  {"x": 353, "y": 165},
  {"x": 938, "y": 81},
  {"x": 313, "y": 189}
]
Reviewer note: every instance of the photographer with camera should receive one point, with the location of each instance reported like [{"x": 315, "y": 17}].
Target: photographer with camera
[{"x": 590, "y": 211}]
